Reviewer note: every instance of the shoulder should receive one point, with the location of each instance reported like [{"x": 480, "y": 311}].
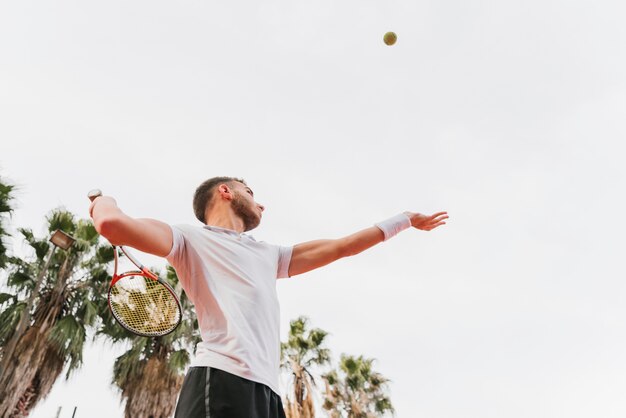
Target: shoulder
[
  {"x": 186, "y": 229},
  {"x": 185, "y": 238},
  {"x": 188, "y": 233},
  {"x": 268, "y": 246}
]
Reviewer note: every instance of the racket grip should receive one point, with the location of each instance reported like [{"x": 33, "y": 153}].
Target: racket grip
[{"x": 94, "y": 193}]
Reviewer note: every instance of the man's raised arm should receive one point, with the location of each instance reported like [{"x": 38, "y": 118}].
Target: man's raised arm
[
  {"x": 314, "y": 254},
  {"x": 147, "y": 235}
]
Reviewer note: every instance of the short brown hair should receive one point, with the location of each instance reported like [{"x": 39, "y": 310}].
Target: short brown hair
[{"x": 204, "y": 194}]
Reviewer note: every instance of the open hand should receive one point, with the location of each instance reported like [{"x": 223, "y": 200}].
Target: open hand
[{"x": 426, "y": 222}]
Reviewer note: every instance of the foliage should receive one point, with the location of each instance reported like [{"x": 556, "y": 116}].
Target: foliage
[
  {"x": 356, "y": 390},
  {"x": 302, "y": 351},
  {"x": 150, "y": 373},
  {"x": 60, "y": 314},
  {"x": 6, "y": 209}
]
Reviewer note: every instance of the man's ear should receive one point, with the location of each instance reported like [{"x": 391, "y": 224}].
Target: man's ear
[{"x": 225, "y": 192}]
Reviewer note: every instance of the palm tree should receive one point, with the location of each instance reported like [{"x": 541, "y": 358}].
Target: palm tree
[
  {"x": 356, "y": 389},
  {"x": 6, "y": 196},
  {"x": 299, "y": 354},
  {"x": 63, "y": 309},
  {"x": 150, "y": 374}
]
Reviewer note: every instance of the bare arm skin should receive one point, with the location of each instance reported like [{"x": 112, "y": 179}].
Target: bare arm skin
[
  {"x": 147, "y": 235},
  {"x": 314, "y": 254}
]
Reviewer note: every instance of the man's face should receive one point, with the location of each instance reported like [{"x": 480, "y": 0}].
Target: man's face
[{"x": 245, "y": 207}]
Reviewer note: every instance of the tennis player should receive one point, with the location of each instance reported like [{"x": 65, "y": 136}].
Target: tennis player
[{"x": 231, "y": 279}]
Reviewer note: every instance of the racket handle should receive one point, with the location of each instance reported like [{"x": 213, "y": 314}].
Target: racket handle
[{"x": 94, "y": 193}]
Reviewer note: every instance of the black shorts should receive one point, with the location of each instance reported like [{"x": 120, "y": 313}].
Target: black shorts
[{"x": 214, "y": 393}]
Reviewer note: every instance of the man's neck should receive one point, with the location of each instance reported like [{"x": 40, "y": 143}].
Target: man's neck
[{"x": 226, "y": 221}]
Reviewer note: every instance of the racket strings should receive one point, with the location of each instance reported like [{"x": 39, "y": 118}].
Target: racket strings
[{"x": 144, "y": 305}]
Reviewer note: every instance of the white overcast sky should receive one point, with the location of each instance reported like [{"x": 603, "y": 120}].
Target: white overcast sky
[{"x": 508, "y": 114}]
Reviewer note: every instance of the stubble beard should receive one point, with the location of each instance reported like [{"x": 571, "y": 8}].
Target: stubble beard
[{"x": 246, "y": 213}]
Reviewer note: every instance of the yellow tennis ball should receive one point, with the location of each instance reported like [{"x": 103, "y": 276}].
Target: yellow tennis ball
[{"x": 390, "y": 38}]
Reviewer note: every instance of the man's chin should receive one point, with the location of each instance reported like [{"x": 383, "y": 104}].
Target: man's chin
[{"x": 250, "y": 226}]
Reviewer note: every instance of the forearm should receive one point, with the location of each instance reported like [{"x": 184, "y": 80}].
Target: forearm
[
  {"x": 148, "y": 235},
  {"x": 366, "y": 238},
  {"x": 360, "y": 241},
  {"x": 314, "y": 254}
]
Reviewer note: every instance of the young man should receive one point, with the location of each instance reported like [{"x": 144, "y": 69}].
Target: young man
[{"x": 231, "y": 280}]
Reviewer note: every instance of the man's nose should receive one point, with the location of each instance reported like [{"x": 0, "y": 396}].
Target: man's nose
[{"x": 262, "y": 208}]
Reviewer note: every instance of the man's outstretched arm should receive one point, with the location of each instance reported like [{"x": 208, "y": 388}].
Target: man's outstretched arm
[
  {"x": 314, "y": 254},
  {"x": 147, "y": 235}
]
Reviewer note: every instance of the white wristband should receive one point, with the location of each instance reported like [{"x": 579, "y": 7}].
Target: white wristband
[{"x": 392, "y": 226}]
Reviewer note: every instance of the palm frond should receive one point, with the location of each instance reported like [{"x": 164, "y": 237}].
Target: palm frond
[
  {"x": 6, "y": 208},
  {"x": 129, "y": 364},
  {"x": 86, "y": 231},
  {"x": 61, "y": 219},
  {"x": 303, "y": 350},
  {"x": 6, "y": 196},
  {"x": 41, "y": 246},
  {"x": 9, "y": 317},
  {"x": 178, "y": 360},
  {"x": 87, "y": 310},
  {"x": 68, "y": 338},
  {"x": 21, "y": 279},
  {"x": 356, "y": 389},
  {"x": 4, "y": 297}
]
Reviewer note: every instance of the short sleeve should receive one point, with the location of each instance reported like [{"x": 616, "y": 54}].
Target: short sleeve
[
  {"x": 175, "y": 255},
  {"x": 284, "y": 259}
]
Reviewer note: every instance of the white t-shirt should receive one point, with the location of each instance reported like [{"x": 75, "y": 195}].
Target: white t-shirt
[{"x": 231, "y": 280}]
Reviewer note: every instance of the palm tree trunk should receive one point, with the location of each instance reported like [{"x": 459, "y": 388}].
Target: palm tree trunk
[
  {"x": 31, "y": 354},
  {"x": 7, "y": 354},
  {"x": 152, "y": 393}
]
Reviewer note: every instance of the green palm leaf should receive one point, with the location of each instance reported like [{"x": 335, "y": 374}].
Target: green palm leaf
[
  {"x": 6, "y": 209},
  {"x": 303, "y": 350},
  {"x": 150, "y": 373},
  {"x": 356, "y": 389},
  {"x": 63, "y": 309}
]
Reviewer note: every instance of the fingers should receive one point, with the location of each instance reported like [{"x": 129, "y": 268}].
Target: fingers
[
  {"x": 435, "y": 221},
  {"x": 444, "y": 215},
  {"x": 427, "y": 223},
  {"x": 433, "y": 226}
]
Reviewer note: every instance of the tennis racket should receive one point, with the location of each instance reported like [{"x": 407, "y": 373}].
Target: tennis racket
[{"x": 139, "y": 300}]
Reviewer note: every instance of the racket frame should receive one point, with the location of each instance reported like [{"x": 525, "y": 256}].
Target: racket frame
[{"x": 143, "y": 271}]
